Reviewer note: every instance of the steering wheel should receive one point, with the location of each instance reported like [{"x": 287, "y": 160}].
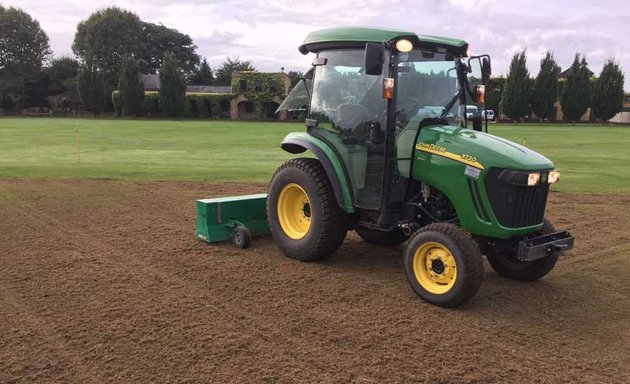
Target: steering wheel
[{"x": 408, "y": 107}]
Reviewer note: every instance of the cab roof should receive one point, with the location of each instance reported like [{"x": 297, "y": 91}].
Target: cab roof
[{"x": 357, "y": 37}]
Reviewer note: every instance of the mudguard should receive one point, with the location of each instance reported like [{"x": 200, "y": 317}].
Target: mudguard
[{"x": 299, "y": 142}]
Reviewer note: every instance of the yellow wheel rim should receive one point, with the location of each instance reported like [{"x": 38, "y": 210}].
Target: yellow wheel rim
[
  {"x": 294, "y": 211},
  {"x": 434, "y": 267}
]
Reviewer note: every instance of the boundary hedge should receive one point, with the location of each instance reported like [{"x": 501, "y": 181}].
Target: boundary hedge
[{"x": 198, "y": 105}]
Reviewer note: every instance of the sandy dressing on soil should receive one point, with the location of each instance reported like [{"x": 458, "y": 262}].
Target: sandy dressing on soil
[{"x": 104, "y": 281}]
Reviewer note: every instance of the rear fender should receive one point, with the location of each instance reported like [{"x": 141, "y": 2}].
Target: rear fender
[{"x": 299, "y": 142}]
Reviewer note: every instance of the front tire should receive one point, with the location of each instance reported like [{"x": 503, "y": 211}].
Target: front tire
[
  {"x": 443, "y": 264},
  {"x": 305, "y": 221},
  {"x": 506, "y": 264}
]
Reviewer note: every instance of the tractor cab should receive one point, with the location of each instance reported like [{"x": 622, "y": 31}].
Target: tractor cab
[{"x": 368, "y": 102}]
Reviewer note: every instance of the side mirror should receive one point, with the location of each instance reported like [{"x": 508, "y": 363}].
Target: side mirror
[
  {"x": 374, "y": 59},
  {"x": 486, "y": 70}
]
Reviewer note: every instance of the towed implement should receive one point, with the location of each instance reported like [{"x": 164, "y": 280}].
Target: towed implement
[{"x": 393, "y": 159}]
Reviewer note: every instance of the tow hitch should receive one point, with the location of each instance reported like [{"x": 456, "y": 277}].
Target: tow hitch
[{"x": 543, "y": 246}]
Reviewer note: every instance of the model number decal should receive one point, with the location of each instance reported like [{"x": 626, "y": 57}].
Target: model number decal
[{"x": 469, "y": 158}]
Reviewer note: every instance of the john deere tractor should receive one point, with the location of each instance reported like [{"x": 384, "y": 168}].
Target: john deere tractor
[{"x": 391, "y": 157}]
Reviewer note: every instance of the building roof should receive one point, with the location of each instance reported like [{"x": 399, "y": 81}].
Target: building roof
[
  {"x": 357, "y": 37},
  {"x": 151, "y": 82},
  {"x": 569, "y": 70},
  {"x": 209, "y": 89}
]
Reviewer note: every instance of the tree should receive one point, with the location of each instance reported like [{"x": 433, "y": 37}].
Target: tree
[
  {"x": 172, "y": 87},
  {"x": 577, "y": 93},
  {"x": 202, "y": 75},
  {"x": 23, "y": 50},
  {"x": 223, "y": 74},
  {"x": 130, "y": 88},
  {"x": 608, "y": 92},
  {"x": 91, "y": 88},
  {"x": 545, "y": 92},
  {"x": 158, "y": 40},
  {"x": 110, "y": 34},
  {"x": 36, "y": 90},
  {"x": 62, "y": 89},
  {"x": 515, "y": 98},
  {"x": 60, "y": 71},
  {"x": 494, "y": 92},
  {"x": 295, "y": 77},
  {"x": 63, "y": 68}
]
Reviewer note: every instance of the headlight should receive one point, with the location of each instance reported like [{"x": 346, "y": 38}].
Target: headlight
[
  {"x": 532, "y": 179},
  {"x": 404, "y": 45},
  {"x": 553, "y": 177}
]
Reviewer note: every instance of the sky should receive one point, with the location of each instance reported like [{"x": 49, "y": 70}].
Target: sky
[{"x": 268, "y": 32}]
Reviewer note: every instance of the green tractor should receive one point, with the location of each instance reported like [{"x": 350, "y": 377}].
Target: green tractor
[{"x": 392, "y": 159}]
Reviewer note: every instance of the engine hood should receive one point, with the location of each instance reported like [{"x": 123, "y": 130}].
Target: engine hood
[{"x": 479, "y": 149}]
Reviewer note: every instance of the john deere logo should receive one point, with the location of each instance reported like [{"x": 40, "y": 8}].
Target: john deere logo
[{"x": 432, "y": 147}]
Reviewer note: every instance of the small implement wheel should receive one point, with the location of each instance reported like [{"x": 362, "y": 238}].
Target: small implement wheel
[
  {"x": 443, "y": 265},
  {"x": 506, "y": 264},
  {"x": 384, "y": 239},
  {"x": 305, "y": 221},
  {"x": 241, "y": 238}
]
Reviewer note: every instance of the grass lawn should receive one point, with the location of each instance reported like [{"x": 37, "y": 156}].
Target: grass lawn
[
  {"x": 141, "y": 149},
  {"x": 592, "y": 158}
]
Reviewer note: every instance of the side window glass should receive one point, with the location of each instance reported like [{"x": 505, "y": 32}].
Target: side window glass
[{"x": 345, "y": 100}]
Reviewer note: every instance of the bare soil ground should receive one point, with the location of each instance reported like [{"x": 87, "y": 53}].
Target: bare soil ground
[{"x": 104, "y": 281}]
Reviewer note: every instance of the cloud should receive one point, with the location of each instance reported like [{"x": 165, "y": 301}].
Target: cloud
[{"x": 269, "y": 31}]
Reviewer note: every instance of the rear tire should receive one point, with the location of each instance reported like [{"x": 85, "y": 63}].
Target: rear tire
[
  {"x": 382, "y": 238},
  {"x": 305, "y": 221},
  {"x": 507, "y": 265},
  {"x": 443, "y": 264}
]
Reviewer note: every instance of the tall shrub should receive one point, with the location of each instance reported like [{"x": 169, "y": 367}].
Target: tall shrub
[
  {"x": 608, "y": 93},
  {"x": 131, "y": 88},
  {"x": 91, "y": 88},
  {"x": 577, "y": 93},
  {"x": 545, "y": 91},
  {"x": 515, "y": 98},
  {"x": 172, "y": 87}
]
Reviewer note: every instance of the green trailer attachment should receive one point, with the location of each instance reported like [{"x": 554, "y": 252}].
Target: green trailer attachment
[{"x": 235, "y": 218}]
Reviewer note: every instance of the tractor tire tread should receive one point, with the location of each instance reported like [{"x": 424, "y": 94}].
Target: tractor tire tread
[
  {"x": 334, "y": 222},
  {"x": 473, "y": 265},
  {"x": 533, "y": 270}
]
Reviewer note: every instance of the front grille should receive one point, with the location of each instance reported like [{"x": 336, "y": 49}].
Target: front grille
[{"x": 516, "y": 206}]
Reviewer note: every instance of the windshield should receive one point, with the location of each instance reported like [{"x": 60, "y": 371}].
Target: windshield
[{"x": 427, "y": 82}]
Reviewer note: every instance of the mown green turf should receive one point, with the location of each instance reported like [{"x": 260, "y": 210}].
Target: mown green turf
[
  {"x": 141, "y": 149},
  {"x": 592, "y": 158}
]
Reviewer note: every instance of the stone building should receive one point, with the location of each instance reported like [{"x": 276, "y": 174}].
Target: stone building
[{"x": 623, "y": 117}]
